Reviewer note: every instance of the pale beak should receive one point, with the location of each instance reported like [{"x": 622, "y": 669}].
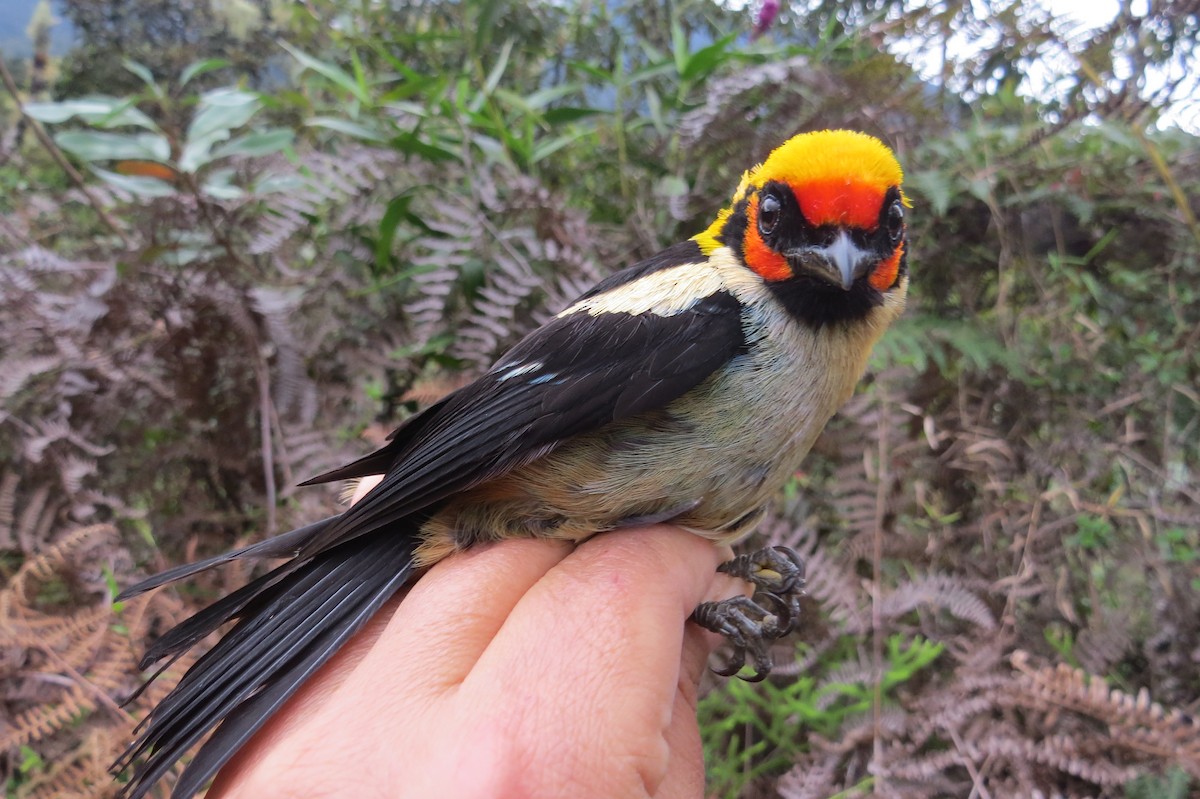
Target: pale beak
[{"x": 838, "y": 264}]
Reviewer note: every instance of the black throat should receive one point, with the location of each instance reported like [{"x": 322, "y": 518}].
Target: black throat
[{"x": 817, "y": 304}]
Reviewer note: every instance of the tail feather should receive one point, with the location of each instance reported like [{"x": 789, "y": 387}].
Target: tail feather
[
  {"x": 291, "y": 622},
  {"x": 242, "y": 723},
  {"x": 183, "y": 636},
  {"x": 227, "y": 672},
  {"x": 281, "y": 546},
  {"x": 192, "y": 630}
]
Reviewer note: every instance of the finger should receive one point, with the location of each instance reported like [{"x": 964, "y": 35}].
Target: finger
[
  {"x": 291, "y": 725},
  {"x": 424, "y": 641},
  {"x": 455, "y": 610},
  {"x": 684, "y": 777},
  {"x": 364, "y": 487},
  {"x": 606, "y": 626}
]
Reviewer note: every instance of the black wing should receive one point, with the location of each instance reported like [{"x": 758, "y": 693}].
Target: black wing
[
  {"x": 573, "y": 375},
  {"x": 577, "y": 373}
]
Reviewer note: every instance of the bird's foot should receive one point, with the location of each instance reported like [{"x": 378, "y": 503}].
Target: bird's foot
[
  {"x": 751, "y": 624},
  {"x": 776, "y": 570}
]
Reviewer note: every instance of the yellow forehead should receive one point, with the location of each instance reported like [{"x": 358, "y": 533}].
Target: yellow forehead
[
  {"x": 824, "y": 157},
  {"x": 815, "y": 165}
]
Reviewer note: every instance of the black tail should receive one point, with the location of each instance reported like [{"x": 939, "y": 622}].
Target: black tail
[
  {"x": 281, "y": 546},
  {"x": 291, "y": 621}
]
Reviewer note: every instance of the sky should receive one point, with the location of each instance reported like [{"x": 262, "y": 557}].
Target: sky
[
  {"x": 1087, "y": 15},
  {"x": 1073, "y": 20}
]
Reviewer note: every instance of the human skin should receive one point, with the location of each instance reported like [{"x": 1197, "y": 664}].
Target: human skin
[{"x": 519, "y": 669}]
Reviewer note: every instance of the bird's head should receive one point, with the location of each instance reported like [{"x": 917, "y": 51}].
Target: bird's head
[{"x": 821, "y": 221}]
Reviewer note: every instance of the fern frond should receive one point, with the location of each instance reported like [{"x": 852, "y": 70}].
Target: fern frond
[
  {"x": 838, "y": 591},
  {"x": 940, "y": 590}
]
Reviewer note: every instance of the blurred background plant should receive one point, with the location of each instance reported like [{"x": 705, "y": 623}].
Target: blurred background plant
[{"x": 240, "y": 240}]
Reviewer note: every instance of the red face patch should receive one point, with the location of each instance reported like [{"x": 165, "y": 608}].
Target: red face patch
[
  {"x": 883, "y": 277},
  {"x": 769, "y": 264},
  {"x": 840, "y": 202}
]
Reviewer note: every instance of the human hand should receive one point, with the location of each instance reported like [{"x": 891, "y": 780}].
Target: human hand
[{"x": 525, "y": 668}]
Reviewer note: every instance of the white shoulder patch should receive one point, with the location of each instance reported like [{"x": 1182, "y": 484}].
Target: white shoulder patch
[{"x": 665, "y": 293}]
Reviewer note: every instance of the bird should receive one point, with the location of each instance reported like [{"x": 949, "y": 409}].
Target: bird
[{"x": 727, "y": 352}]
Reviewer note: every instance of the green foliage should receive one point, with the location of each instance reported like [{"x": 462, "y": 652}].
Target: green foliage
[
  {"x": 1179, "y": 545},
  {"x": 1092, "y": 532},
  {"x": 1175, "y": 784},
  {"x": 30, "y": 763},
  {"x": 951, "y": 347},
  {"x": 198, "y": 156},
  {"x": 755, "y": 730}
]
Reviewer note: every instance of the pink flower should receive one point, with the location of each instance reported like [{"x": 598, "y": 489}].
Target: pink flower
[{"x": 766, "y": 17}]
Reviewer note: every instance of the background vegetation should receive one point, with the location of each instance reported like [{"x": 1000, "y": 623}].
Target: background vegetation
[{"x": 237, "y": 238}]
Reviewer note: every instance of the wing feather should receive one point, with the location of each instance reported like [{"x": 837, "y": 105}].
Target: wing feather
[{"x": 572, "y": 376}]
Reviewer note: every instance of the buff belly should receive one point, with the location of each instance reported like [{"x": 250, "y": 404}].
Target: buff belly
[{"x": 711, "y": 475}]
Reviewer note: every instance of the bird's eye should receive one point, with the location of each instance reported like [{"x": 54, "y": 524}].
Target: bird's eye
[
  {"x": 769, "y": 210},
  {"x": 895, "y": 222}
]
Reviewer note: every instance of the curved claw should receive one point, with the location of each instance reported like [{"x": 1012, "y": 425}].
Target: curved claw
[
  {"x": 736, "y": 663},
  {"x": 761, "y": 671},
  {"x": 750, "y": 628},
  {"x": 779, "y": 623},
  {"x": 775, "y": 570}
]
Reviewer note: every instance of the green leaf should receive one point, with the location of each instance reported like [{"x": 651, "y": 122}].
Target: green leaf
[
  {"x": 114, "y": 588},
  {"x": 106, "y": 112},
  {"x": 263, "y": 142},
  {"x": 516, "y": 101},
  {"x": 220, "y": 185},
  {"x": 1100, "y": 246},
  {"x": 273, "y": 184},
  {"x": 545, "y": 148},
  {"x": 346, "y": 126},
  {"x": 679, "y": 46},
  {"x": 655, "y": 70},
  {"x": 333, "y": 73},
  {"x": 139, "y": 70},
  {"x": 485, "y": 22},
  {"x": 223, "y": 110},
  {"x": 593, "y": 71},
  {"x": 30, "y": 760},
  {"x": 417, "y": 110},
  {"x": 94, "y": 145},
  {"x": 360, "y": 76},
  {"x": 198, "y": 68},
  {"x": 126, "y": 114},
  {"x": 493, "y": 79},
  {"x": 198, "y": 152},
  {"x": 135, "y": 184},
  {"x": 706, "y": 59},
  {"x": 411, "y": 144},
  {"x": 54, "y": 113},
  {"x": 559, "y": 116},
  {"x": 397, "y": 210},
  {"x": 654, "y": 110},
  {"x": 490, "y": 147},
  {"x": 143, "y": 72},
  {"x": 980, "y": 188},
  {"x": 543, "y": 97}
]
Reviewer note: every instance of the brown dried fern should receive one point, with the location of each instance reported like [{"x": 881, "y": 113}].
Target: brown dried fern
[{"x": 66, "y": 667}]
